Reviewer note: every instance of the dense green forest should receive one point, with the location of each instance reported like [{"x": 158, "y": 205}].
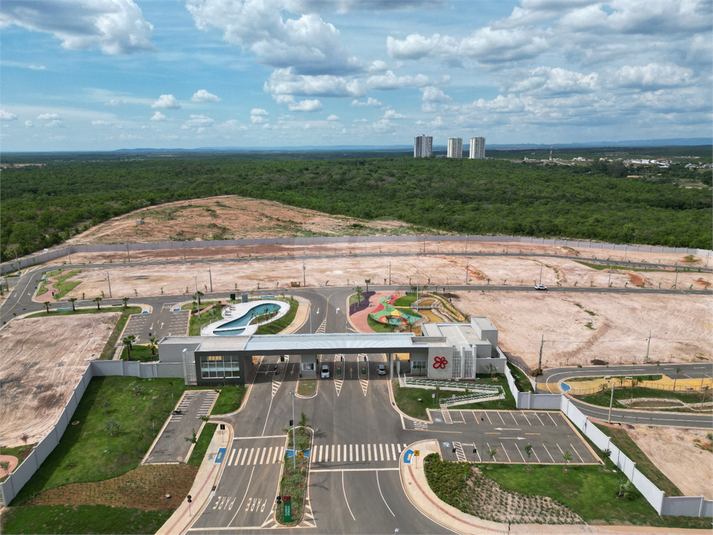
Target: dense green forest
[{"x": 43, "y": 206}]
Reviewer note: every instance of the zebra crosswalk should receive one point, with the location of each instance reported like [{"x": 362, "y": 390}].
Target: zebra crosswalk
[
  {"x": 356, "y": 453},
  {"x": 254, "y": 456}
]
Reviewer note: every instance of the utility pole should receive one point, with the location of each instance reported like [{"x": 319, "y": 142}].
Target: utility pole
[
  {"x": 128, "y": 253},
  {"x": 609, "y": 283},
  {"x": 304, "y": 283},
  {"x": 210, "y": 276},
  {"x": 424, "y": 245},
  {"x": 542, "y": 343},
  {"x": 611, "y": 401},
  {"x": 507, "y": 244},
  {"x": 109, "y": 282},
  {"x": 647, "y": 348},
  {"x": 69, "y": 254},
  {"x": 466, "y": 243},
  {"x": 416, "y": 285},
  {"x": 466, "y": 274},
  {"x": 389, "y": 272},
  {"x": 195, "y": 278},
  {"x": 541, "y": 266},
  {"x": 675, "y": 282}
]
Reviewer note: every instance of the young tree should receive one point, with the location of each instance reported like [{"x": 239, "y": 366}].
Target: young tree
[
  {"x": 5, "y": 465},
  {"x": 112, "y": 427},
  {"x": 567, "y": 456},
  {"x": 198, "y": 296},
  {"x": 492, "y": 370},
  {"x": 192, "y": 439},
  {"x": 491, "y": 453},
  {"x": 528, "y": 452},
  {"x": 367, "y": 282},
  {"x": 97, "y": 300},
  {"x": 152, "y": 344},
  {"x": 125, "y": 300},
  {"x": 129, "y": 343},
  {"x": 358, "y": 292},
  {"x": 25, "y": 437},
  {"x": 47, "y": 306},
  {"x": 73, "y": 300},
  {"x": 624, "y": 488}
]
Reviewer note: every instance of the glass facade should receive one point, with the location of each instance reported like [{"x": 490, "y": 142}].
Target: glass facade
[{"x": 219, "y": 366}]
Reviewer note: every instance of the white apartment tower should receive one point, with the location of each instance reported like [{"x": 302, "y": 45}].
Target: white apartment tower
[
  {"x": 455, "y": 147},
  {"x": 477, "y": 148},
  {"x": 422, "y": 146}
]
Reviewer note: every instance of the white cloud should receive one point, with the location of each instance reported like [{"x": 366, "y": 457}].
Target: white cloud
[
  {"x": 56, "y": 123},
  {"x": 99, "y": 123},
  {"x": 369, "y": 102},
  {"x": 306, "y": 105},
  {"x": 305, "y": 43},
  {"x": 7, "y": 115},
  {"x": 168, "y": 102},
  {"x": 114, "y": 26},
  {"x": 47, "y": 116},
  {"x": 392, "y": 114},
  {"x": 36, "y": 67},
  {"x": 377, "y": 66},
  {"x": 29, "y": 124},
  {"x": 258, "y": 111},
  {"x": 390, "y": 81},
  {"x": 204, "y": 96},
  {"x": 158, "y": 116},
  {"x": 201, "y": 122},
  {"x": 257, "y": 116},
  {"x": 433, "y": 94},
  {"x": 333, "y": 118},
  {"x": 652, "y": 76},
  {"x": 285, "y": 82},
  {"x": 343, "y": 6},
  {"x": 547, "y": 81}
]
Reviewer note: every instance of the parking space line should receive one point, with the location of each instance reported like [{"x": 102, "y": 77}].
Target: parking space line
[
  {"x": 536, "y": 456},
  {"x": 475, "y": 417},
  {"x": 493, "y": 457},
  {"x": 521, "y": 456},
  {"x": 513, "y": 418},
  {"x": 506, "y": 452},
  {"x": 548, "y": 453},
  {"x": 526, "y": 418},
  {"x": 553, "y": 420},
  {"x": 501, "y": 417},
  {"x": 576, "y": 453},
  {"x": 538, "y": 417},
  {"x": 558, "y": 447},
  {"x": 489, "y": 420}
]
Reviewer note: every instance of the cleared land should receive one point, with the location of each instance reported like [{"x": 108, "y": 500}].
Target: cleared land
[
  {"x": 674, "y": 452},
  {"x": 231, "y": 217},
  {"x": 42, "y": 361}
]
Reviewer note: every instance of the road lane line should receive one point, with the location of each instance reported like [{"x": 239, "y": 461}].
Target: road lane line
[
  {"x": 381, "y": 452},
  {"x": 382, "y": 495},
  {"x": 344, "y": 489},
  {"x": 244, "y": 496}
]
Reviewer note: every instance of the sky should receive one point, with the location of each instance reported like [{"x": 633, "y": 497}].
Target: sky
[{"x": 95, "y": 75}]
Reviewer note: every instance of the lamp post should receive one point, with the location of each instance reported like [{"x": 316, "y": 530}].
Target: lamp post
[
  {"x": 210, "y": 277},
  {"x": 108, "y": 282},
  {"x": 195, "y": 278},
  {"x": 294, "y": 435},
  {"x": 389, "y": 272}
]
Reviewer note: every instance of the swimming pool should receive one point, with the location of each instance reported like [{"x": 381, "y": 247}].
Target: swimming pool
[{"x": 245, "y": 312}]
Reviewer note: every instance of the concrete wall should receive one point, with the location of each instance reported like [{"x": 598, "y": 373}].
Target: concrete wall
[
  {"x": 440, "y": 372},
  {"x": 54, "y": 254}
]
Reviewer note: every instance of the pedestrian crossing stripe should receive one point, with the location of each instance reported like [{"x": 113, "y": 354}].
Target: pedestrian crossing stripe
[
  {"x": 254, "y": 456},
  {"x": 344, "y": 453}
]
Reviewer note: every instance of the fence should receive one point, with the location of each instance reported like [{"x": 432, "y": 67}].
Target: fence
[
  {"x": 39, "y": 258},
  {"x": 97, "y": 368},
  {"x": 664, "y": 505}
]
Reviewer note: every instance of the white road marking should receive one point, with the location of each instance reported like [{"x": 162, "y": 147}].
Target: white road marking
[
  {"x": 538, "y": 417},
  {"x": 345, "y": 497},
  {"x": 576, "y": 453},
  {"x": 381, "y": 452},
  {"x": 506, "y": 452},
  {"x": 368, "y": 451},
  {"x": 244, "y": 496},
  {"x": 553, "y": 420},
  {"x": 232, "y": 454},
  {"x": 363, "y": 457},
  {"x": 339, "y": 454},
  {"x": 393, "y": 451},
  {"x": 548, "y": 453},
  {"x": 262, "y": 457},
  {"x": 251, "y": 455},
  {"x": 382, "y": 495}
]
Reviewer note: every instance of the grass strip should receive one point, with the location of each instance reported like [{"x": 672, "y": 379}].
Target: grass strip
[
  {"x": 306, "y": 387},
  {"x": 130, "y": 408},
  {"x": 622, "y": 440},
  {"x": 603, "y": 398},
  {"x": 197, "y": 322},
  {"x": 140, "y": 354},
  {"x": 294, "y": 476},
  {"x": 230, "y": 399},
  {"x": 71, "y": 519},
  {"x": 202, "y": 445},
  {"x": 378, "y": 327},
  {"x": 590, "y": 492},
  {"x": 522, "y": 383},
  {"x": 405, "y": 300},
  {"x": 281, "y": 324}
]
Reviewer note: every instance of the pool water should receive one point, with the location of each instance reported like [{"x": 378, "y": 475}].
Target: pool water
[{"x": 237, "y": 326}]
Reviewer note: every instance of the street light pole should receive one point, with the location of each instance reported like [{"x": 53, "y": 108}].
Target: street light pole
[
  {"x": 294, "y": 436},
  {"x": 466, "y": 274},
  {"x": 389, "y": 272},
  {"x": 611, "y": 402},
  {"x": 648, "y": 346},
  {"x": 210, "y": 276},
  {"x": 304, "y": 283},
  {"x": 108, "y": 281}
]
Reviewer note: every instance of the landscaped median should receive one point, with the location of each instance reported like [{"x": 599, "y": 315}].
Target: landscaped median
[{"x": 295, "y": 474}]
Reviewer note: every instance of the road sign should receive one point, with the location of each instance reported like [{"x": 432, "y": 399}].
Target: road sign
[
  {"x": 417, "y": 453},
  {"x": 300, "y": 454},
  {"x": 287, "y": 511}
]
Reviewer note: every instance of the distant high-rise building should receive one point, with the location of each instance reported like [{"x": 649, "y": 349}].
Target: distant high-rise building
[
  {"x": 455, "y": 147},
  {"x": 422, "y": 146},
  {"x": 477, "y": 148}
]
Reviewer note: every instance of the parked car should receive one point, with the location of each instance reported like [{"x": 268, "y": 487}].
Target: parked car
[
  {"x": 540, "y": 287},
  {"x": 325, "y": 372},
  {"x": 381, "y": 369}
]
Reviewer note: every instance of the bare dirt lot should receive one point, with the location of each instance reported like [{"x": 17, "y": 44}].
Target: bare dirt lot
[
  {"x": 675, "y": 453},
  {"x": 42, "y": 361},
  {"x": 231, "y": 217}
]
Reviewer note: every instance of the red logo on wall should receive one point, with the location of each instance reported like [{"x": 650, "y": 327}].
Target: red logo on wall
[{"x": 439, "y": 363}]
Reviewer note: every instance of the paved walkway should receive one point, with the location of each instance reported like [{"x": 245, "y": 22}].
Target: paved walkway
[
  {"x": 359, "y": 319},
  {"x": 413, "y": 479}
]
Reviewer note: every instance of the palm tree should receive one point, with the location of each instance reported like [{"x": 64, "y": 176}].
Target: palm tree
[
  {"x": 358, "y": 292},
  {"x": 198, "y": 296},
  {"x": 367, "y": 282},
  {"x": 624, "y": 488},
  {"x": 73, "y": 300},
  {"x": 152, "y": 343},
  {"x": 47, "y": 306},
  {"x": 125, "y": 300},
  {"x": 492, "y": 370},
  {"x": 128, "y": 342},
  {"x": 97, "y": 300}
]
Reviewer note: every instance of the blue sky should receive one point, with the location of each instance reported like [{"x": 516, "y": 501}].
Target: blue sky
[{"x": 110, "y": 74}]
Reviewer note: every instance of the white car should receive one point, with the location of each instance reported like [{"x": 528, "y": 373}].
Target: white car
[
  {"x": 381, "y": 369},
  {"x": 325, "y": 372},
  {"x": 540, "y": 287}
]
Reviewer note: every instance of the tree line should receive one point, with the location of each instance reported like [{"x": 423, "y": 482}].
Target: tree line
[{"x": 43, "y": 206}]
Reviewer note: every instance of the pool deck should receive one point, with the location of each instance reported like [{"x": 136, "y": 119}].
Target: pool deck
[{"x": 240, "y": 310}]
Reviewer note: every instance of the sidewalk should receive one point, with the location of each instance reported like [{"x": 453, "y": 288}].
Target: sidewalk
[
  {"x": 208, "y": 475},
  {"x": 413, "y": 480}
]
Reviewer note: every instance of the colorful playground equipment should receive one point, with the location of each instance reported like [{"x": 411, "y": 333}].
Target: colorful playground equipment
[{"x": 387, "y": 313}]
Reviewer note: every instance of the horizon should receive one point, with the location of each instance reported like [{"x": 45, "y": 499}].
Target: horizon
[{"x": 95, "y": 76}]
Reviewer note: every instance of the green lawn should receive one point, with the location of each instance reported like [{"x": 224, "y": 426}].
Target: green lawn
[
  {"x": 278, "y": 326},
  {"x": 603, "y": 398},
  {"x": 140, "y": 353},
  {"x": 379, "y": 327},
  {"x": 229, "y": 400},
  {"x": 81, "y": 454},
  {"x": 405, "y": 300},
  {"x": 202, "y": 445},
  {"x": 62, "y": 284},
  {"x": 588, "y": 491},
  {"x": 212, "y": 315},
  {"x": 521, "y": 381},
  {"x": 622, "y": 440},
  {"x": 72, "y": 519}
]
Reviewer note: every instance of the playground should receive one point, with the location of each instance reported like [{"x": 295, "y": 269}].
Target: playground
[{"x": 387, "y": 313}]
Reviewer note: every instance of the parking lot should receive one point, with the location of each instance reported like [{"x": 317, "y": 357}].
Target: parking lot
[{"x": 502, "y": 437}]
